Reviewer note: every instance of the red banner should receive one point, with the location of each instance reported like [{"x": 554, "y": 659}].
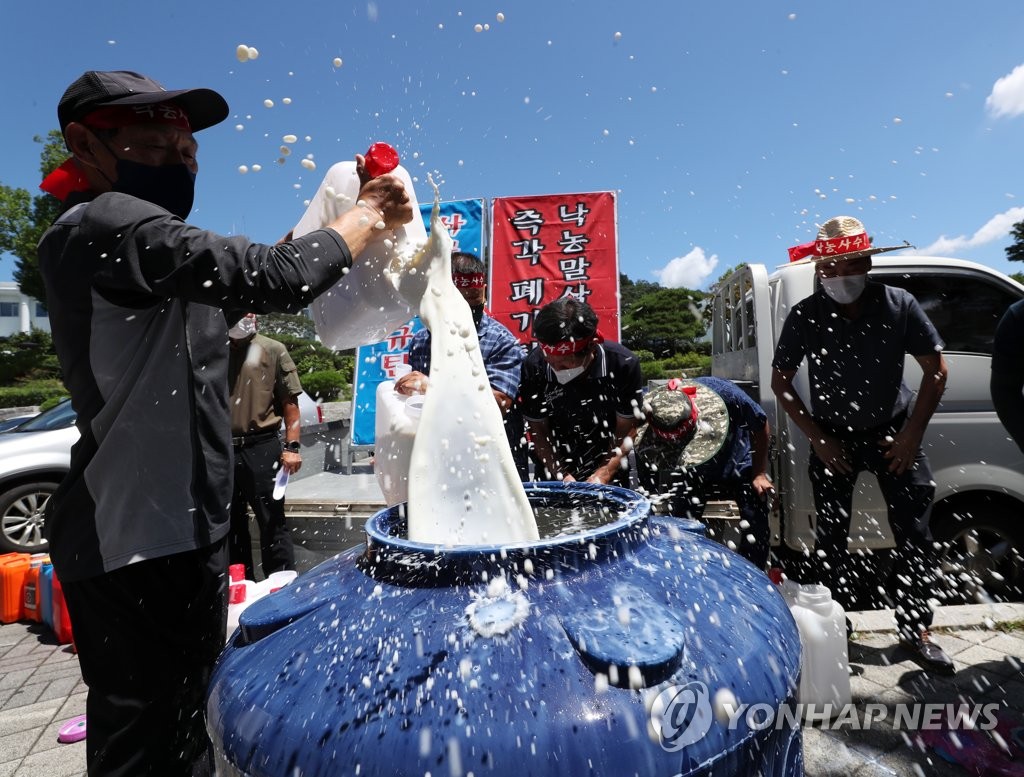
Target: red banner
[{"x": 552, "y": 246}]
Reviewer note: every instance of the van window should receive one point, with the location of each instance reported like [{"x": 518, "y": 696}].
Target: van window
[{"x": 964, "y": 308}]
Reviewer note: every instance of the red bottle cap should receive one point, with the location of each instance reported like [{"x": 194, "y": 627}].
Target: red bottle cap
[
  {"x": 775, "y": 575},
  {"x": 236, "y": 572},
  {"x": 381, "y": 159}
]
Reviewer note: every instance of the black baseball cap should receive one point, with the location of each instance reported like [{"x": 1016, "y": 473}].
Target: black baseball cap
[{"x": 97, "y": 88}]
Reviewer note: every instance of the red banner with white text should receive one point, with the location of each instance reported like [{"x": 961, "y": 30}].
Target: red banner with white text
[{"x": 550, "y": 246}]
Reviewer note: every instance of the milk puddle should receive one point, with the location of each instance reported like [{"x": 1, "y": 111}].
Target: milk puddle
[{"x": 463, "y": 485}]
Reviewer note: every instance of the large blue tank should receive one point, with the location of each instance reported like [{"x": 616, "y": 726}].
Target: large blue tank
[{"x": 609, "y": 650}]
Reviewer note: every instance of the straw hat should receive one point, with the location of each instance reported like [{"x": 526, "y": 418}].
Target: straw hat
[
  {"x": 669, "y": 408},
  {"x": 839, "y": 238}
]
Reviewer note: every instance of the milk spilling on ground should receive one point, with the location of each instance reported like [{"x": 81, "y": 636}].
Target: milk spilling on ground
[{"x": 463, "y": 485}]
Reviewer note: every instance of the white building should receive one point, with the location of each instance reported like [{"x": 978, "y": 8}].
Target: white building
[{"x": 19, "y": 312}]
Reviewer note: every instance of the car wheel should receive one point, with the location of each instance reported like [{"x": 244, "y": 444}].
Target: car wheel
[
  {"x": 982, "y": 559},
  {"x": 21, "y": 517}
]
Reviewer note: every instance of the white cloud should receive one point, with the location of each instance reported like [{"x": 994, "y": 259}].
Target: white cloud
[
  {"x": 687, "y": 272},
  {"x": 996, "y": 228},
  {"x": 1007, "y": 98}
]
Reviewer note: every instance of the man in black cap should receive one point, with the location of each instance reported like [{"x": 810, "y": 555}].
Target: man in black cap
[{"x": 138, "y": 302}]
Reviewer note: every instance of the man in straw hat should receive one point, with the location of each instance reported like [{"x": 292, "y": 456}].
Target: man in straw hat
[
  {"x": 855, "y": 334},
  {"x": 140, "y": 303},
  {"x": 704, "y": 438}
]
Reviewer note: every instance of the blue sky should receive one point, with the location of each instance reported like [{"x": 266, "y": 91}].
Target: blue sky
[{"x": 728, "y": 129}]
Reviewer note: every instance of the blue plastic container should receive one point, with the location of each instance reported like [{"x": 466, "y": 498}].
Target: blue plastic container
[{"x": 599, "y": 652}]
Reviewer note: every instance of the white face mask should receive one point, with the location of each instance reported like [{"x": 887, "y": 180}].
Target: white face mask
[
  {"x": 564, "y": 376},
  {"x": 244, "y": 328},
  {"x": 845, "y": 289}
]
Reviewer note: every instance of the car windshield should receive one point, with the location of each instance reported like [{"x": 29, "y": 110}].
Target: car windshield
[{"x": 57, "y": 417}]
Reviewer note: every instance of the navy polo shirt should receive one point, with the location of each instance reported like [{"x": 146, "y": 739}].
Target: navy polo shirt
[
  {"x": 856, "y": 366},
  {"x": 582, "y": 413}
]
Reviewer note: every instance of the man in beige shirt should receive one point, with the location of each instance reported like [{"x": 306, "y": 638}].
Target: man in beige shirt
[{"x": 264, "y": 390}]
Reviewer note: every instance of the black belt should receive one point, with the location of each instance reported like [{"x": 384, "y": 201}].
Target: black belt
[{"x": 255, "y": 438}]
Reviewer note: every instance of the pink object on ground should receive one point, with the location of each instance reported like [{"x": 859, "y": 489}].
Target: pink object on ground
[{"x": 72, "y": 731}]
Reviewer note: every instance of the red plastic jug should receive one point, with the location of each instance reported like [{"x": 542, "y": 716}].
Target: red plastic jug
[{"x": 13, "y": 568}]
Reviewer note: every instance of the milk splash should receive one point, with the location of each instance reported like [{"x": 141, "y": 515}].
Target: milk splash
[{"x": 463, "y": 485}]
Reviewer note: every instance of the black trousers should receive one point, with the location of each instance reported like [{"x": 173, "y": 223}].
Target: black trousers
[
  {"x": 908, "y": 499},
  {"x": 148, "y": 635},
  {"x": 256, "y": 469},
  {"x": 690, "y": 497}
]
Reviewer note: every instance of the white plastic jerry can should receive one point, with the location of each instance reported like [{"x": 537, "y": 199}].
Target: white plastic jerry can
[
  {"x": 396, "y": 422},
  {"x": 825, "y": 669}
]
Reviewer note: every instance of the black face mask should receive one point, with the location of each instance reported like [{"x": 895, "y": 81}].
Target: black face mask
[
  {"x": 172, "y": 187},
  {"x": 478, "y": 314}
]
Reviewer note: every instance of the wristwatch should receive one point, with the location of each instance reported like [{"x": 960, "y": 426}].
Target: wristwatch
[{"x": 293, "y": 446}]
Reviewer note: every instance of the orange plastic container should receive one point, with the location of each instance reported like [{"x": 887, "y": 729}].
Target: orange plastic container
[
  {"x": 32, "y": 599},
  {"x": 13, "y": 569},
  {"x": 61, "y": 619}
]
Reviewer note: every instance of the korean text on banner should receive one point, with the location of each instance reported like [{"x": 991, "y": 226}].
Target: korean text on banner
[{"x": 551, "y": 246}]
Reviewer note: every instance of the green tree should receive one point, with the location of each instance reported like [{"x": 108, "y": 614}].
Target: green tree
[
  {"x": 24, "y": 218},
  {"x": 1015, "y": 252},
  {"x": 660, "y": 320}
]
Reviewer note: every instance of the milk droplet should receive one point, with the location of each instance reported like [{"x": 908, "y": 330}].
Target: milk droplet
[
  {"x": 268, "y": 103},
  {"x": 239, "y": 127},
  {"x": 724, "y": 704},
  {"x": 618, "y": 36},
  {"x": 257, "y": 168},
  {"x": 285, "y": 151},
  {"x": 500, "y": 17},
  {"x": 290, "y": 139},
  {"x": 253, "y": 52},
  {"x": 287, "y": 100},
  {"x": 478, "y": 28},
  {"x": 242, "y": 53},
  {"x": 309, "y": 164},
  {"x": 336, "y": 62},
  {"x": 243, "y": 169}
]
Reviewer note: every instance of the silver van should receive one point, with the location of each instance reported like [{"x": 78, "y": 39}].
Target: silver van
[{"x": 979, "y": 471}]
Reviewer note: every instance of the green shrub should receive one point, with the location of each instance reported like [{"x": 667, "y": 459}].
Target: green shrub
[
  {"x": 645, "y": 356},
  {"x": 651, "y": 370},
  {"x": 325, "y": 385},
  {"x": 34, "y": 392},
  {"x": 23, "y": 354}
]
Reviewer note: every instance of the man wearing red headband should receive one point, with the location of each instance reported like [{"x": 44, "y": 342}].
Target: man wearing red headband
[
  {"x": 581, "y": 396},
  {"x": 501, "y": 351},
  {"x": 139, "y": 304},
  {"x": 855, "y": 335},
  {"x": 706, "y": 439}
]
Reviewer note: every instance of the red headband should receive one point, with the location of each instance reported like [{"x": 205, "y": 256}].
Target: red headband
[
  {"x": 835, "y": 246},
  {"x": 116, "y": 116},
  {"x": 469, "y": 280},
  {"x": 563, "y": 347},
  {"x": 686, "y": 427}
]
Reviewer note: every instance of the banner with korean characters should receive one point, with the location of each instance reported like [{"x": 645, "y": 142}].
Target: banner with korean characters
[
  {"x": 377, "y": 362},
  {"x": 550, "y": 246}
]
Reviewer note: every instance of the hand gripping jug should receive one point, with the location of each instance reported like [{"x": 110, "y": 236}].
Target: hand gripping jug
[
  {"x": 366, "y": 305},
  {"x": 824, "y": 674}
]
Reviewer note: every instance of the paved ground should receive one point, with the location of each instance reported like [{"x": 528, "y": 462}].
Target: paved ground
[{"x": 41, "y": 687}]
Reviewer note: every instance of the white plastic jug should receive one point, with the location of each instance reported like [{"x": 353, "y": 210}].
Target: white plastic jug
[
  {"x": 825, "y": 669},
  {"x": 366, "y": 305},
  {"x": 396, "y": 422}
]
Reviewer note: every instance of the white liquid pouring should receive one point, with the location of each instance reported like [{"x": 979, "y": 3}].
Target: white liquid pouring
[{"x": 463, "y": 485}]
